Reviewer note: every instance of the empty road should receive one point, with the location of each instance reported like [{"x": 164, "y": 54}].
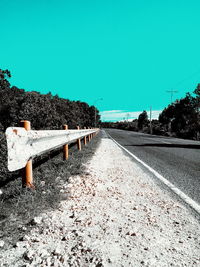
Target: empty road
[{"x": 178, "y": 160}]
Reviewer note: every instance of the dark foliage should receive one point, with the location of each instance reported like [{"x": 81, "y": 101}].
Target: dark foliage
[
  {"x": 142, "y": 120},
  {"x": 44, "y": 111},
  {"x": 19, "y": 205},
  {"x": 180, "y": 119}
]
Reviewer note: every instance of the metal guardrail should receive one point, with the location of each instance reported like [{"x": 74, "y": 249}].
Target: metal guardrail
[{"x": 24, "y": 144}]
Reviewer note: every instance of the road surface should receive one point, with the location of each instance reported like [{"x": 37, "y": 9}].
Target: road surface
[{"x": 178, "y": 160}]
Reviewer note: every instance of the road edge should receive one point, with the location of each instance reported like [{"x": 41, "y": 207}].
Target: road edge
[{"x": 193, "y": 204}]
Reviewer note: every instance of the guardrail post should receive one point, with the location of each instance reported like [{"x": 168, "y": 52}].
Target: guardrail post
[
  {"x": 89, "y": 136},
  {"x": 78, "y": 141},
  {"x": 85, "y": 138},
  {"x": 27, "y": 172},
  {"x": 65, "y": 147}
]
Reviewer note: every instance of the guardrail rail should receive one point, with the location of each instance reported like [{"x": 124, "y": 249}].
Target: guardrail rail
[{"x": 24, "y": 144}]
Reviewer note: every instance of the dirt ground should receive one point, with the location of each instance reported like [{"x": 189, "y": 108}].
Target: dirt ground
[{"x": 112, "y": 214}]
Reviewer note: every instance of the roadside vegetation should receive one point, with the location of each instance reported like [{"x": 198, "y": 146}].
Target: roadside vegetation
[
  {"x": 180, "y": 119},
  {"x": 43, "y": 111},
  {"x": 19, "y": 205}
]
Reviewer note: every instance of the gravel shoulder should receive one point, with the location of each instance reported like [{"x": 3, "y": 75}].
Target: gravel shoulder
[{"x": 113, "y": 214}]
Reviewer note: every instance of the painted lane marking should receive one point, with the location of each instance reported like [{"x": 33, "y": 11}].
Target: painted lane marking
[{"x": 177, "y": 191}]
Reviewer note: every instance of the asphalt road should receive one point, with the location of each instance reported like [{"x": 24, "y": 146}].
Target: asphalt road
[{"x": 178, "y": 160}]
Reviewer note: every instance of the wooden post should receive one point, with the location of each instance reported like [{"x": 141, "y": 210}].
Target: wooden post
[
  {"x": 27, "y": 175},
  {"x": 89, "y": 136},
  {"x": 85, "y": 138},
  {"x": 78, "y": 141},
  {"x": 65, "y": 147},
  {"x": 91, "y": 133}
]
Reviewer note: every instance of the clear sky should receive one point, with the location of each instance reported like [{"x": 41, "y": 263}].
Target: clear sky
[{"x": 128, "y": 52}]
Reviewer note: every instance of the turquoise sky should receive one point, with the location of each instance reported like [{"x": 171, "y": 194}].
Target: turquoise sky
[{"x": 126, "y": 52}]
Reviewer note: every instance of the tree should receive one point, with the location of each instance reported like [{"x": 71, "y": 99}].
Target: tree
[
  {"x": 43, "y": 110},
  {"x": 182, "y": 116},
  {"x": 197, "y": 91},
  {"x": 4, "y": 83},
  {"x": 142, "y": 120}
]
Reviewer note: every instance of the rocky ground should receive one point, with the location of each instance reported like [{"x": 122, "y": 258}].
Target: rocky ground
[{"x": 113, "y": 214}]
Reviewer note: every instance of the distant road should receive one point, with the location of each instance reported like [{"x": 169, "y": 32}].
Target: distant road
[{"x": 177, "y": 160}]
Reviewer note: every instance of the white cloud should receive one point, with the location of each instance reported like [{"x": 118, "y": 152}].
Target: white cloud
[
  {"x": 112, "y": 111},
  {"x": 119, "y": 115}
]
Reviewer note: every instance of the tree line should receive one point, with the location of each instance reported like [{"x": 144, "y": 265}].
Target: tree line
[
  {"x": 45, "y": 111},
  {"x": 180, "y": 119}
]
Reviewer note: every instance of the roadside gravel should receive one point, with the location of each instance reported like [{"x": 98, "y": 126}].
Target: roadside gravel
[{"x": 114, "y": 214}]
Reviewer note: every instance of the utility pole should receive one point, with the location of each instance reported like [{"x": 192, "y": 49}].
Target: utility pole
[
  {"x": 150, "y": 120},
  {"x": 127, "y": 115},
  {"x": 172, "y": 93}
]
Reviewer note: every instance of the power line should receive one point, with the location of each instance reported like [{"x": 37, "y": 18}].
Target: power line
[
  {"x": 188, "y": 77},
  {"x": 182, "y": 81}
]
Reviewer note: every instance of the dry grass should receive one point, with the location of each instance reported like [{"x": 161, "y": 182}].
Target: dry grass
[{"x": 18, "y": 206}]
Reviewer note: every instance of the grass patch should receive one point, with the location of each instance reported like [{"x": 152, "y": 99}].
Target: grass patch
[{"x": 18, "y": 206}]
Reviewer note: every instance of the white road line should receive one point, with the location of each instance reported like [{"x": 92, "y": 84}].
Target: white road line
[{"x": 177, "y": 191}]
